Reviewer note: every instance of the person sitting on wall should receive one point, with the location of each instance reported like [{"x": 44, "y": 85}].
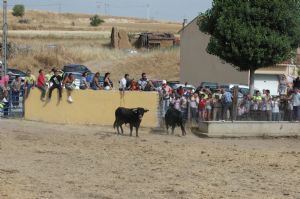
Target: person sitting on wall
[
  {"x": 108, "y": 85},
  {"x": 41, "y": 84},
  {"x": 84, "y": 84},
  {"x": 145, "y": 84},
  {"x": 29, "y": 82},
  {"x": 124, "y": 83},
  {"x": 55, "y": 80},
  {"x": 95, "y": 85},
  {"x": 69, "y": 85}
]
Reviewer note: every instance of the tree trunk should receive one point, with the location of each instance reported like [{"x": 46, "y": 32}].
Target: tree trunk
[{"x": 251, "y": 85}]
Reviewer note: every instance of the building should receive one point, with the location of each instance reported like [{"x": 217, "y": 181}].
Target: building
[
  {"x": 156, "y": 40},
  {"x": 196, "y": 65}
]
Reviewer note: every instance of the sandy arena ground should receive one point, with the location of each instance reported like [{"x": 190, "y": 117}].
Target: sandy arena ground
[{"x": 40, "y": 160}]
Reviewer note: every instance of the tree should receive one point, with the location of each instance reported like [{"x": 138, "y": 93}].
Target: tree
[
  {"x": 18, "y": 10},
  {"x": 96, "y": 21},
  {"x": 252, "y": 34}
]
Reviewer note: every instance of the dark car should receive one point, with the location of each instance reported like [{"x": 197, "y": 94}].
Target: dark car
[
  {"x": 173, "y": 84},
  {"x": 12, "y": 73},
  {"x": 210, "y": 85},
  {"x": 76, "y": 68}
]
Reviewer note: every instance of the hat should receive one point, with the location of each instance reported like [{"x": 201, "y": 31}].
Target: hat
[{"x": 164, "y": 81}]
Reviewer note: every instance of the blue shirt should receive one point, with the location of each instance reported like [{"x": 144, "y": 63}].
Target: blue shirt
[{"x": 227, "y": 97}]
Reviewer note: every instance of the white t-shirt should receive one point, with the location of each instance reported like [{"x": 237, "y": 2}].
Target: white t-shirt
[{"x": 123, "y": 83}]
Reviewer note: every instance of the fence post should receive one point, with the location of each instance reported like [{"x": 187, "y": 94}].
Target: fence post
[{"x": 235, "y": 103}]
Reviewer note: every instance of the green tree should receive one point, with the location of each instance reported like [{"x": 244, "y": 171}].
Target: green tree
[
  {"x": 96, "y": 21},
  {"x": 18, "y": 10},
  {"x": 252, "y": 34}
]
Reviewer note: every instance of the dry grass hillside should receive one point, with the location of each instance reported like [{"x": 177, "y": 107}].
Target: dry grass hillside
[
  {"x": 39, "y": 20},
  {"x": 87, "y": 45}
]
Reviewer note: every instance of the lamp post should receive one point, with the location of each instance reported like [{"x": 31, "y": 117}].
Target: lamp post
[{"x": 4, "y": 40}]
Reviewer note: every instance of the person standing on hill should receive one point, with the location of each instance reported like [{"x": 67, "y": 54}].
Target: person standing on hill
[{"x": 56, "y": 80}]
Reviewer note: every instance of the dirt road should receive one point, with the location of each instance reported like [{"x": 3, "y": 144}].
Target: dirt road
[{"x": 40, "y": 160}]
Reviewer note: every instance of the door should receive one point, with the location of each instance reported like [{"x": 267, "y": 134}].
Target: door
[{"x": 267, "y": 82}]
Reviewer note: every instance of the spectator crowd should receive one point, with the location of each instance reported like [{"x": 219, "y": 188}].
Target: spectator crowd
[{"x": 204, "y": 104}]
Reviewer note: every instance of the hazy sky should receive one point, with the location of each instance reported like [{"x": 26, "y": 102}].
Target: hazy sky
[{"x": 174, "y": 10}]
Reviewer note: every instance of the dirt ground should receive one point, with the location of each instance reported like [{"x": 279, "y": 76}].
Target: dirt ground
[{"x": 40, "y": 160}]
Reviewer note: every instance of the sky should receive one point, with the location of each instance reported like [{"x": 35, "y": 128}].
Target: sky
[{"x": 173, "y": 10}]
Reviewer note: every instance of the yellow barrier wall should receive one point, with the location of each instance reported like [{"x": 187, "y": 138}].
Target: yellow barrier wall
[{"x": 90, "y": 107}]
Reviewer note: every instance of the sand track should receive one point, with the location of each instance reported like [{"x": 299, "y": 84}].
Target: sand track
[{"x": 40, "y": 160}]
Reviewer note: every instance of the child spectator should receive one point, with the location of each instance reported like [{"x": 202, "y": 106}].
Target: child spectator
[
  {"x": 201, "y": 107},
  {"x": 275, "y": 109},
  {"x": 41, "y": 84}
]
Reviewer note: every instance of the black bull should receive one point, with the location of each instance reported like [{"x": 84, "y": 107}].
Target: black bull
[
  {"x": 133, "y": 117},
  {"x": 174, "y": 118}
]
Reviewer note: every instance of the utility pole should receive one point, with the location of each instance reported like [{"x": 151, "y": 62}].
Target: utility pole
[
  {"x": 148, "y": 11},
  {"x": 4, "y": 40}
]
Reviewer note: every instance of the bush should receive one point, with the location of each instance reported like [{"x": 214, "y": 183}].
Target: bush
[
  {"x": 18, "y": 10},
  {"x": 24, "y": 21},
  {"x": 96, "y": 21}
]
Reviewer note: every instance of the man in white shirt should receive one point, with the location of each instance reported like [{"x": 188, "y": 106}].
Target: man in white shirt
[{"x": 296, "y": 104}]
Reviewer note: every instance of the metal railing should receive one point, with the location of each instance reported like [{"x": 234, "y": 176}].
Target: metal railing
[{"x": 13, "y": 105}]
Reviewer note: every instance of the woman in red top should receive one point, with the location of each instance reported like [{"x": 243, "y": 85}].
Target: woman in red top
[{"x": 41, "y": 84}]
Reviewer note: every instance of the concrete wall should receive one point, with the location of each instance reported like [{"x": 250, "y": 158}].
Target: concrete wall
[
  {"x": 196, "y": 65},
  {"x": 90, "y": 107},
  {"x": 249, "y": 129}
]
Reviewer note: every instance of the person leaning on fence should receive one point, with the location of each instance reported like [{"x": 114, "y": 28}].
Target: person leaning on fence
[
  {"x": 275, "y": 109},
  {"x": 165, "y": 93},
  {"x": 29, "y": 83},
  {"x": 15, "y": 90},
  {"x": 68, "y": 82},
  {"x": 193, "y": 102},
  {"x": 4, "y": 94},
  {"x": 55, "y": 80},
  {"x": 227, "y": 104},
  {"x": 41, "y": 84},
  {"x": 296, "y": 104}
]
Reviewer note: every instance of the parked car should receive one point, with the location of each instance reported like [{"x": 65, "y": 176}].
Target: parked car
[
  {"x": 157, "y": 84},
  {"x": 243, "y": 89},
  {"x": 211, "y": 85},
  {"x": 173, "y": 84},
  {"x": 12, "y": 73},
  {"x": 76, "y": 68},
  {"x": 189, "y": 88}
]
